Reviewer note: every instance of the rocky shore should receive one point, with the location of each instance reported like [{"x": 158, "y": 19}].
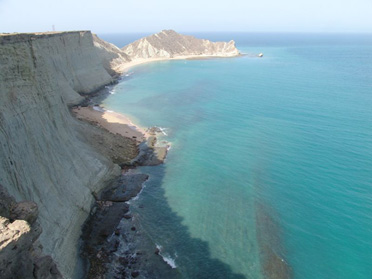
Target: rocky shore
[
  {"x": 110, "y": 240},
  {"x": 101, "y": 232}
]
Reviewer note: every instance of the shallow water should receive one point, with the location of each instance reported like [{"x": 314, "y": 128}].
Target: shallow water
[{"x": 271, "y": 157}]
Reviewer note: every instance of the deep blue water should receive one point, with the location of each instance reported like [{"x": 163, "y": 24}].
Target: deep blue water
[{"x": 270, "y": 156}]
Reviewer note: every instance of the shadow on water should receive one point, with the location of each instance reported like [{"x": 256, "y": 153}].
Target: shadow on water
[
  {"x": 192, "y": 256},
  {"x": 268, "y": 231}
]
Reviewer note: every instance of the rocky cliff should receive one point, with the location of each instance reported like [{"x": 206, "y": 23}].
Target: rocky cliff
[
  {"x": 44, "y": 156},
  {"x": 21, "y": 254},
  {"x": 170, "y": 44}
]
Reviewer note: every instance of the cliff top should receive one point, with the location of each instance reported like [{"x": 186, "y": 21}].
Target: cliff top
[{"x": 22, "y": 37}]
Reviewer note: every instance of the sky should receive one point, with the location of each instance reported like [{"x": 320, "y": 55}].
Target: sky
[{"x": 131, "y": 16}]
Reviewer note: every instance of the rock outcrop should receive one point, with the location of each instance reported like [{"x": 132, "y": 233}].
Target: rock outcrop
[
  {"x": 170, "y": 44},
  {"x": 21, "y": 254},
  {"x": 44, "y": 157}
]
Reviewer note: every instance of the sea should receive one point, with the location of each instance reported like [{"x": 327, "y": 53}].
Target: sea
[{"x": 269, "y": 174}]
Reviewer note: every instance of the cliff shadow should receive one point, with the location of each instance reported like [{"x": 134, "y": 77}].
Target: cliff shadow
[{"x": 192, "y": 256}]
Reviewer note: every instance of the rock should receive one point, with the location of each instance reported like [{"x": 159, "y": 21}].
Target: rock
[
  {"x": 26, "y": 210},
  {"x": 150, "y": 154},
  {"x": 45, "y": 267},
  {"x": 20, "y": 252},
  {"x": 126, "y": 188},
  {"x": 135, "y": 274},
  {"x": 151, "y": 141},
  {"x": 6, "y": 202},
  {"x": 123, "y": 261}
]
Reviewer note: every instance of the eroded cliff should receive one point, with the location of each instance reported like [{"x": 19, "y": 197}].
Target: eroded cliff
[{"x": 44, "y": 156}]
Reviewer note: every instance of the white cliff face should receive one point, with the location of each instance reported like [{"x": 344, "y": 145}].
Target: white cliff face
[
  {"x": 43, "y": 157},
  {"x": 70, "y": 57},
  {"x": 112, "y": 56},
  {"x": 170, "y": 44}
]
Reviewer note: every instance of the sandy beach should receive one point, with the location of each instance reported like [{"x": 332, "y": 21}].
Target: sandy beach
[
  {"x": 123, "y": 68},
  {"x": 115, "y": 123}
]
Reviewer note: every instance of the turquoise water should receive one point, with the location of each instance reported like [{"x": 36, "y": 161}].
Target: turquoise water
[{"x": 267, "y": 154}]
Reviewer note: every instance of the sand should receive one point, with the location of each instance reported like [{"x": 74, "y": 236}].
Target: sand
[
  {"x": 125, "y": 67},
  {"x": 113, "y": 122}
]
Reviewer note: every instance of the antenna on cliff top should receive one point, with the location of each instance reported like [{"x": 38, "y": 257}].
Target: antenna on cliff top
[{"x": 54, "y": 28}]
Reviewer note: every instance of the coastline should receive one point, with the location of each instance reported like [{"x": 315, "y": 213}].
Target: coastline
[
  {"x": 125, "y": 67},
  {"x": 112, "y": 241},
  {"x": 110, "y": 225},
  {"x": 113, "y": 122},
  {"x": 272, "y": 263}
]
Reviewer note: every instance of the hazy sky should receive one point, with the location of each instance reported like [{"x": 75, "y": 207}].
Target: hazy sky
[{"x": 113, "y": 16}]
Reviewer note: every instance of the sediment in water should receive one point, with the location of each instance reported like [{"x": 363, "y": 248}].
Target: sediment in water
[{"x": 273, "y": 264}]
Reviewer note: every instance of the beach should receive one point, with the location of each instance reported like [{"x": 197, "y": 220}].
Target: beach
[
  {"x": 113, "y": 122},
  {"x": 125, "y": 67}
]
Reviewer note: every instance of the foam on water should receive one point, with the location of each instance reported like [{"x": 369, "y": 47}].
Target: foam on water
[
  {"x": 166, "y": 257},
  {"x": 98, "y": 108}
]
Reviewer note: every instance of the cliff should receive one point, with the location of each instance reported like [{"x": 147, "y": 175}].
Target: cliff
[
  {"x": 49, "y": 158},
  {"x": 44, "y": 155},
  {"x": 112, "y": 57},
  {"x": 170, "y": 44}
]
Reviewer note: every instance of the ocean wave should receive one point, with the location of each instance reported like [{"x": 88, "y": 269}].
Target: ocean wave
[
  {"x": 162, "y": 130},
  {"x": 137, "y": 197},
  {"x": 98, "y": 108},
  {"x": 129, "y": 74},
  {"x": 157, "y": 129},
  {"x": 166, "y": 257}
]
